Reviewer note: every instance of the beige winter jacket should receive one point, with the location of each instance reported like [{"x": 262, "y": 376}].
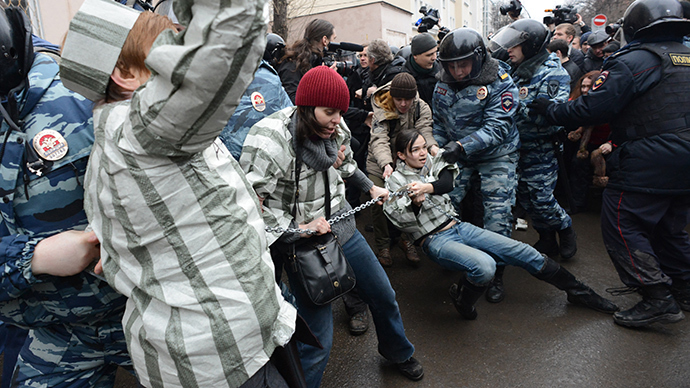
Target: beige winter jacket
[{"x": 388, "y": 122}]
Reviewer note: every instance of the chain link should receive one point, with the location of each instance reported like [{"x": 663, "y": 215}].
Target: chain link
[{"x": 279, "y": 230}]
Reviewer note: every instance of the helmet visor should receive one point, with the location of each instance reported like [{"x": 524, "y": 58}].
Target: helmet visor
[
  {"x": 464, "y": 69},
  {"x": 507, "y": 38}
]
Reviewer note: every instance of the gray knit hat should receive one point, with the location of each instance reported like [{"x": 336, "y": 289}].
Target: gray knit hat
[
  {"x": 93, "y": 45},
  {"x": 422, "y": 43}
]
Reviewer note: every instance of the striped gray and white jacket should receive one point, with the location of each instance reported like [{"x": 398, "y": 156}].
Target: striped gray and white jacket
[
  {"x": 400, "y": 210},
  {"x": 268, "y": 158},
  {"x": 181, "y": 231}
]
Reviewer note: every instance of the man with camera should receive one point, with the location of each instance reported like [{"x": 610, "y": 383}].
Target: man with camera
[{"x": 642, "y": 94}]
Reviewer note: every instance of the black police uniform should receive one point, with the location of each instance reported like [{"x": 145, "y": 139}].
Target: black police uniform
[{"x": 643, "y": 94}]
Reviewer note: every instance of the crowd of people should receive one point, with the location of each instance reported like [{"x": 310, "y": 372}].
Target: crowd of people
[{"x": 158, "y": 170}]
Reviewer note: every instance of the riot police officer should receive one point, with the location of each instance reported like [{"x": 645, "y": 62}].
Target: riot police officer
[
  {"x": 642, "y": 93},
  {"x": 474, "y": 105},
  {"x": 538, "y": 74}
]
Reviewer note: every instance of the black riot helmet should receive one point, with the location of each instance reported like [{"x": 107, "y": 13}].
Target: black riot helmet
[
  {"x": 651, "y": 17},
  {"x": 274, "y": 48},
  {"x": 463, "y": 43},
  {"x": 16, "y": 49},
  {"x": 531, "y": 34}
]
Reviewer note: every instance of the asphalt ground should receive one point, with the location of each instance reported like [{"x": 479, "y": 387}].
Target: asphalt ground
[{"x": 534, "y": 338}]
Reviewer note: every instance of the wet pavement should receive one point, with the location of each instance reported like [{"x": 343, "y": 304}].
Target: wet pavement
[{"x": 534, "y": 338}]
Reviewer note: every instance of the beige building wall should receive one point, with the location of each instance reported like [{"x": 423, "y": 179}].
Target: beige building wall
[
  {"x": 50, "y": 18},
  {"x": 361, "y": 24}
]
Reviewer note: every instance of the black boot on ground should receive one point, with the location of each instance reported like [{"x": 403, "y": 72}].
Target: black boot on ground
[
  {"x": 464, "y": 295},
  {"x": 568, "y": 242},
  {"x": 496, "y": 292},
  {"x": 547, "y": 243},
  {"x": 657, "y": 306},
  {"x": 578, "y": 292},
  {"x": 681, "y": 293}
]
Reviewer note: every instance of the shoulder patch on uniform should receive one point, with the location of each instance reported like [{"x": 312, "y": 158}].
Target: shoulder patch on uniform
[
  {"x": 600, "y": 80},
  {"x": 507, "y": 101},
  {"x": 680, "y": 59},
  {"x": 258, "y": 101},
  {"x": 441, "y": 91},
  {"x": 552, "y": 88}
]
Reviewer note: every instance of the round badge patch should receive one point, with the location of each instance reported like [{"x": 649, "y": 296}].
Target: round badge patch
[
  {"x": 258, "y": 101},
  {"x": 50, "y": 145},
  {"x": 524, "y": 92},
  {"x": 482, "y": 93}
]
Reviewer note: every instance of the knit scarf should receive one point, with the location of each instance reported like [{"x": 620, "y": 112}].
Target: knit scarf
[
  {"x": 315, "y": 152},
  {"x": 418, "y": 69}
]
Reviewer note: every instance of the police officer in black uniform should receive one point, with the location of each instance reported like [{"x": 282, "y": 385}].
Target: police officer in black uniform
[{"x": 643, "y": 93}]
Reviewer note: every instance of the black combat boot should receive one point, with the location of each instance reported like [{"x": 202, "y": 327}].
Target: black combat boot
[
  {"x": 496, "y": 291},
  {"x": 568, "y": 242},
  {"x": 547, "y": 243},
  {"x": 681, "y": 293},
  {"x": 657, "y": 306},
  {"x": 465, "y": 298},
  {"x": 578, "y": 293}
]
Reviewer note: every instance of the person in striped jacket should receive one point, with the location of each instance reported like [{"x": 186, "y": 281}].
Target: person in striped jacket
[{"x": 180, "y": 227}]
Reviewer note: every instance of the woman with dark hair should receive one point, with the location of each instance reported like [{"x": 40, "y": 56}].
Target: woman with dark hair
[
  {"x": 427, "y": 215},
  {"x": 305, "y": 54},
  {"x": 305, "y": 140},
  {"x": 590, "y": 138}
]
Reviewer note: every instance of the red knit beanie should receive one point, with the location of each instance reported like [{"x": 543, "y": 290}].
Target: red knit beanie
[{"x": 323, "y": 86}]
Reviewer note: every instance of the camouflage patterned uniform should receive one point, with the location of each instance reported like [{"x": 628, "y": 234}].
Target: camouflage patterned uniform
[
  {"x": 75, "y": 336},
  {"x": 264, "y": 96},
  {"x": 540, "y": 76},
  {"x": 480, "y": 116}
]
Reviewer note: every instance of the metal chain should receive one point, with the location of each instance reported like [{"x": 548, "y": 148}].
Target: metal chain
[{"x": 279, "y": 230}]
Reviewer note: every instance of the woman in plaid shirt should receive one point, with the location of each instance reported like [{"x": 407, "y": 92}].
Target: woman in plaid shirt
[
  {"x": 427, "y": 215},
  {"x": 313, "y": 132}
]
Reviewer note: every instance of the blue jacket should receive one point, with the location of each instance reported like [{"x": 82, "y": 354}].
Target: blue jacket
[
  {"x": 34, "y": 207},
  {"x": 264, "y": 96},
  {"x": 540, "y": 76},
  {"x": 479, "y": 115}
]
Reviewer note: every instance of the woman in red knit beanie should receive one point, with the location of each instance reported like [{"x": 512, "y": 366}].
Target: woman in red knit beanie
[{"x": 304, "y": 141}]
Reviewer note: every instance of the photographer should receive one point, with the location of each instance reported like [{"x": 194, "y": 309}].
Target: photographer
[
  {"x": 305, "y": 54},
  {"x": 513, "y": 9}
]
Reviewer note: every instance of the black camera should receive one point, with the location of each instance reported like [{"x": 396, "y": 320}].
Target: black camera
[
  {"x": 343, "y": 55},
  {"x": 611, "y": 29},
  {"x": 429, "y": 20},
  {"x": 561, "y": 15},
  {"x": 514, "y": 8}
]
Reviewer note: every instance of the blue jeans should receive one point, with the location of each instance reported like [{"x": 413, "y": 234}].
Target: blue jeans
[
  {"x": 465, "y": 247},
  {"x": 375, "y": 289}
]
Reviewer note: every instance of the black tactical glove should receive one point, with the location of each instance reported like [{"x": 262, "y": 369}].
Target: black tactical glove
[
  {"x": 539, "y": 106},
  {"x": 452, "y": 152}
]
